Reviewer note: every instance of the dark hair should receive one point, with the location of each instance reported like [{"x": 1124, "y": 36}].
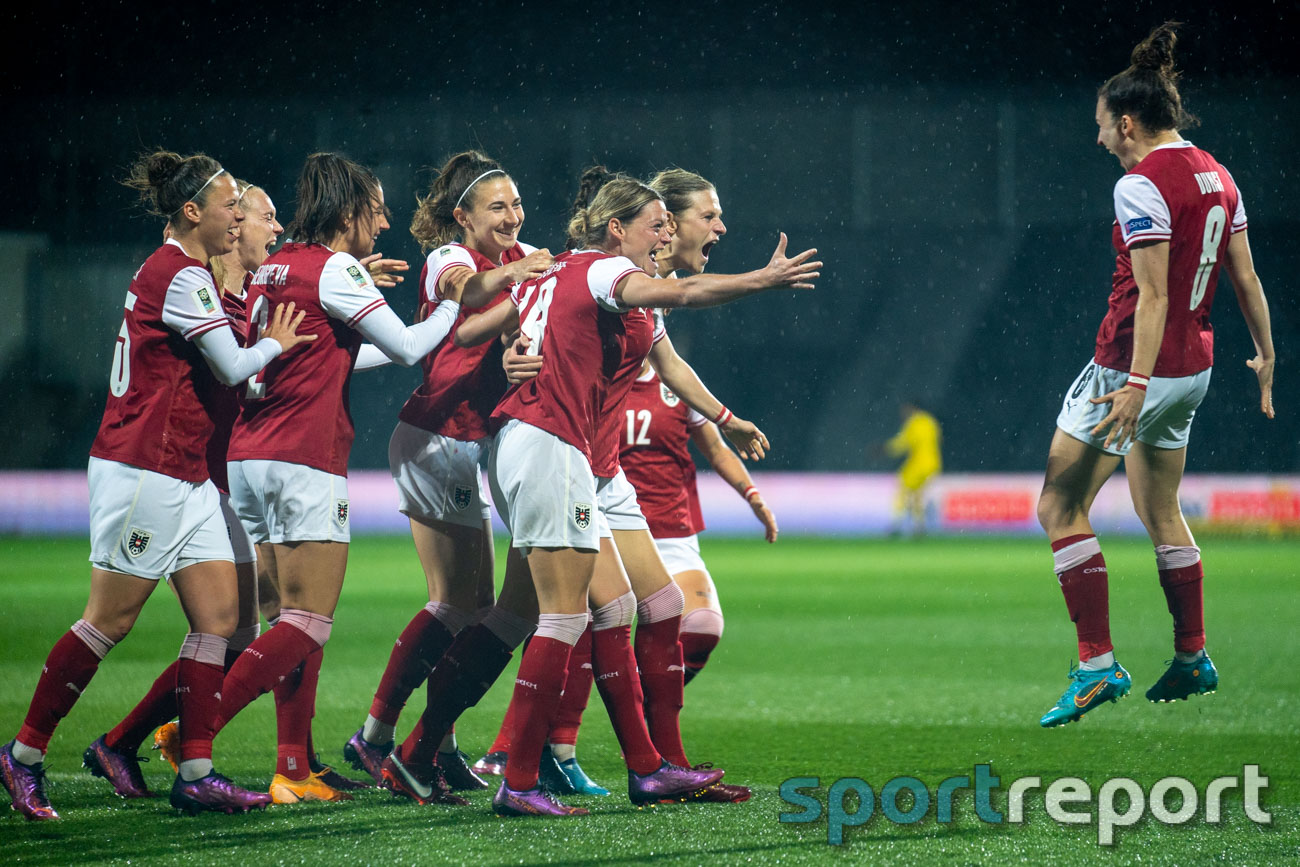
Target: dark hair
[
  {"x": 166, "y": 181},
  {"x": 434, "y": 223},
  {"x": 676, "y": 187},
  {"x": 603, "y": 196},
  {"x": 331, "y": 188},
  {"x": 1148, "y": 90}
]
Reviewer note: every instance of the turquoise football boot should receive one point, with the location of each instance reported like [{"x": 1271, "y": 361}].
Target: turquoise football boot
[{"x": 1087, "y": 690}]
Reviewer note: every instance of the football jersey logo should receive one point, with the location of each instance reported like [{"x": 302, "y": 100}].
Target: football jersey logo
[
  {"x": 582, "y": 515},
  {"x": 668, "y": 397},
  {"x": 1083, "y": 382},
  {"x": 358, "y": 276},
  {"x": 444, "y": 251},
  {"x": 1137, "y": 224},
  {"x": 341, "y": 512},
  {"x": 461, "y": 497},
  {"x": 204, "y": 301},
  {"x": 138, "y": 542}
]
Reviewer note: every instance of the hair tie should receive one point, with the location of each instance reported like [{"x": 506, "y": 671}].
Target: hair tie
[
  {"x": 218, "y": 173},
  {"x": 473, "y": 182}
]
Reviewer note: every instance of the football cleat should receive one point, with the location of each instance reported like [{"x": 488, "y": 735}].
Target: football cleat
[
  {"x": 1184, "y": 679},
  {"x": 551, "y": 777},
  {"x": 492, "y": 764},
  {"x": 335, "y": 780},
  {"x": 531, "y": 802},
  {"x": 669, "y": 783},
  {"x": 400, "y": 780},
  {"x": 217, "y": 794},
  {"x": 286, "y": 791},
  {"x": 457, "y": 772},
  {"x": 1087, "y": 690},
  {"x": 167, "y": 740},
  {"x": 582, "y": 784},
  {"x": 26, "y": 786},
  {"x": 722, "y": 793},
  {"x": 365, "y": 756},
  {"x": 120, "y": 768}
]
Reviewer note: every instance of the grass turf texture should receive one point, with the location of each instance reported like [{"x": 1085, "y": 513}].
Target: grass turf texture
[{"x": 863, "y": 659}]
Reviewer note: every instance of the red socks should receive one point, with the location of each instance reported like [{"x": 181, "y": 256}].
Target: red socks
[
  {"x": 275, "y": 654},
  {"x": 696, "y": 647},
  {"x": 1081, "y": 570},
  {"x": 1181, "y": 578},
  {"x": 295, "y": 704},
  {"x": 577, "y": 691},
  {"x": 537, "y": 694},
  {"x": 156, "y": 708},
  {"x": 417, "y": 650},
  {"x": 659, "y": 656},
  {"x": 71, "y": 663},
  {"x": 620, "y": 689}
]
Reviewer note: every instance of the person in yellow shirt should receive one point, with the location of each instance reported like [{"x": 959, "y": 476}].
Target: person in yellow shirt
[{"x": 918, "y": 443}]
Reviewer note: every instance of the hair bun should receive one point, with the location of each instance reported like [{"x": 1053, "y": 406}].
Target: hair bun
[{"x": 161, "y": 167}]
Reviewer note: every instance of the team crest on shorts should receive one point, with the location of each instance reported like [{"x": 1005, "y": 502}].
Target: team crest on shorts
[
  {"x": 582, "y": 515},
  {"x": 341, "y": 512},
  {"x": 461, "y": 497},
  {"x": 138, "y": 542},
  {"x": 667, "y": 396}
]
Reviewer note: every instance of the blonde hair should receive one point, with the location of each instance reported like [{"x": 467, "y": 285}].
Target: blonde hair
[
  {"x": 604, "y": 196},
  {"x": 676, "y": 187}
]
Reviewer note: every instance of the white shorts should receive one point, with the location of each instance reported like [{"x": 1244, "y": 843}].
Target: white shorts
[
  {"x": 544, "y": 490},
  {"x": 438, "y": 477},
  {"x": 616, "y": 499},
  {"x": 1167, "y": 412},
  {"x": 280, "y": 502},
  {"x": 682, "y": 555},
  {"x": 240, "y": 544},
  {"x": 150, "y": 525}
]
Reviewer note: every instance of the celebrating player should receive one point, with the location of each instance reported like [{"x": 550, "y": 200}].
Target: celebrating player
[
  {"x": 594, "y": 301},
  {"x": 289, "y": 449},
  {"x": 1178, "y": 217},
  {"x": 154, "y": 511},
  {"x": 468, "y": 225}
]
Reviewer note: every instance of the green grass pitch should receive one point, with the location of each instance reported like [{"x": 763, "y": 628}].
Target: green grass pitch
[{"x": 865, "y": 659}]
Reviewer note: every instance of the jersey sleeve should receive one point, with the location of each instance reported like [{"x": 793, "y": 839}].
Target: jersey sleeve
[
  {"x": 603, "y": 276},
  {"x": 694, "y": 419},
  {"x": 527, "y": 248},
  {"x": 407, "y": 344},
  {"x": 193, "y": 305},
  {"x": 1239, "y": 215},
  {"x": 346, "y": 290},
  {"x": 441, "y": 261},
  {"x": 660, "y": 332},
  {"x": 229, "y": 363},
  {"x": 1142, "y": 213}
]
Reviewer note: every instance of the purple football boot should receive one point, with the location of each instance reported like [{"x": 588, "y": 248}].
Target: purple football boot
[
  {"x": 214, "y": 792},
  {"x": 368, "y": 757},
  {"x": 120, "y": 768},
  {"x": 26, "y": 786},
  {"x": 669, "y": 783},
  {"x": 532, "y": 802}
]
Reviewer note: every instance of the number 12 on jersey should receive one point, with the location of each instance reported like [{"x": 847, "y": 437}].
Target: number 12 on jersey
[{"x": 638, "y": 437}]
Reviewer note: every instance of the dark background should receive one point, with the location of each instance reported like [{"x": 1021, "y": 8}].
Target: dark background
[{"x": 942, "y": 157}]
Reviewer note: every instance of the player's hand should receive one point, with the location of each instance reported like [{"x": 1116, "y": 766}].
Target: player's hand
[
  {"x": 530, "y": 266},
  {"x": 796, "y": 273},
  {"x": 746, "y": 437},
  {"x": 1264, "y": 372},
  {"x": 385, "y": 272},
  {"x": 1125, "y": 407},
  {"x": 283, "y": 328},
  {"x": 519, "y": 366},
  {"x": 764, "y": 515}
]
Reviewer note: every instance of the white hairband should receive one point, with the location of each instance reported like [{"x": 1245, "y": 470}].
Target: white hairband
[
  {"x": 218, "y": 173},
  {"x": 473, "y": 182}
]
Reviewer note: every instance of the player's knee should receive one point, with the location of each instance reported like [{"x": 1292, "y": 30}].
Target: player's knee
[
  {"x": 703, "y": 621},
  {"x": 1055, "y": 510}
]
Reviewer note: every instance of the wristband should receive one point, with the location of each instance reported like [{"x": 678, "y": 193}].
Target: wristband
[
  {"x": 1138, "y": 381},
  {"x": 749, "y": 493},
  {"x": 724, "y": 416}
]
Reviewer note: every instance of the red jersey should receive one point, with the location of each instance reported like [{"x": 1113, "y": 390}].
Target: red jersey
[
  {"x": 297, "y": 410},
  {"x": 656, "y": 431},
  {"x": 572, "y": 318},
  {"x": 462, "y": 384},
  {"x": 226, "y": 398},
  {"x": 1179, "y": 194},
  {"x": 161, "y": 395},
  {"x": 644, "y": 330}
]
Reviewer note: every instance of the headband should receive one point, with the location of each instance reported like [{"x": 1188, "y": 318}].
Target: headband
[
  {"x": 218, "y": 173},
  {"x": 473, "y": 182}
]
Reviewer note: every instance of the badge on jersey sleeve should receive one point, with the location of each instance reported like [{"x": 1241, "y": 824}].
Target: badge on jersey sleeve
[
  {"x": 582, "y": 515},
  {"x": 358, "y": 276},
  {"x": 204, "y": 301},
  {"x": 667, "y": 396}
]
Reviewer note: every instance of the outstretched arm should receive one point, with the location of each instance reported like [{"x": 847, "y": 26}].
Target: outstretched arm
[
  {"x": 708, "y": 290},
  {"x": 682, "y": 379},
  {"x": 1254, "y": 307}
]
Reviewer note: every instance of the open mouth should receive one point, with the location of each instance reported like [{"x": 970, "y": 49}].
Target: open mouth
[{"x": 708, "y": 248}]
